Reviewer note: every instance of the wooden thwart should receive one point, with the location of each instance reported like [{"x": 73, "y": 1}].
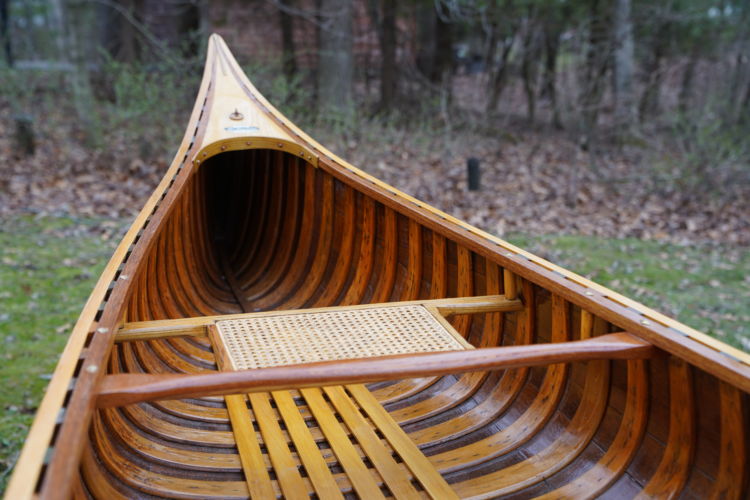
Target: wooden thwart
[
  {"x": 119, "y": 390},
  {"x": 148, "y": 330}
]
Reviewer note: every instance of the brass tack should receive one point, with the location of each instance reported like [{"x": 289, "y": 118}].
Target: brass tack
[
  {"x": 247, "y": 143},
  {"x": 280, "y": 145},
  {"x": 223, "y": 148}
]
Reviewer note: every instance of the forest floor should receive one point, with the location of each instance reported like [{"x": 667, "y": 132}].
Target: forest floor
[{"x": 621, "y": 217}]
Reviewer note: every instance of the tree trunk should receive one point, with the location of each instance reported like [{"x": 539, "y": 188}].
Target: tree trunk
[
  {"x": 175, "y": 24},
  {"x": 75, "y": 21},
  {"x": 426, "y": 25},
  {"x": 649, "y": 104},
  {"x": 597, "y": 56},
  {"x": 551, "y": 49},
  {"x": 744, "y": 113},
  {"x": 686, "y": 85},
  {"x": 289, "y": 50},
  {"x": 388, "y": 53},
  {"x": 336, "y": 61},
  {"x": 623, "y": 63},
  {"x": 499, "y": 76},
  {"x": 4, "y": 34},
  {"x": 529, "y": 63},
  {"x": 443, "y": 56}
]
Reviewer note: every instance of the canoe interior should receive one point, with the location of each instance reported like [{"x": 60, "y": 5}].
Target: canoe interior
[{"x": 264, "y": 230}]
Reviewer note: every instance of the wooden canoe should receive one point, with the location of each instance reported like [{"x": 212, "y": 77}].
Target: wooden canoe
[{"x": 542, "y": 382}]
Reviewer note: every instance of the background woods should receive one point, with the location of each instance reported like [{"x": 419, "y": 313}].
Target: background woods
[{"x": 621, "y": 117}]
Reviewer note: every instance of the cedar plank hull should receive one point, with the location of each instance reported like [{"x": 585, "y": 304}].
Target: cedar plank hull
[{"x": 248, "y": 229}]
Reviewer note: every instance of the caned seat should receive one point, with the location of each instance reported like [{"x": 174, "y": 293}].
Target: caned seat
[{"x": 335, "y": 334}]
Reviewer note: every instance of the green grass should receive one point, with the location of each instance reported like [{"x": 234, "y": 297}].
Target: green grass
[
  {"x": 49, "y": 266},
  {"x": 706, "y": 287}
]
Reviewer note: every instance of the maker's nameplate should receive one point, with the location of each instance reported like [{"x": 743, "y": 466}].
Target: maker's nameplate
[{"x": 241, "y": 128}]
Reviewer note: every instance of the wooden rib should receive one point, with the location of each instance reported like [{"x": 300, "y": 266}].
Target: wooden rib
[
  {"x": 264, "y": 278},
  {"x": 258, "y": 251},
  {"x": 117, "y": 390},
  {"x": 252, "y": 252},
  {"x": 341, "y": 261},
  {"x": 389, "y": 264},
  {"x": 94, "y": 474},
  {"x": 154, "y": 483},
  {"x": 364, "y": 264},
  {"x": 348, "y": 457},
  {"x": 619, "y": 454},
  {"x": 673, "y": 471},
  {"x": 420, "y": 466},
  {"x": 269, "y": 292},
  {"x": 534, "y": 418},
  {"x": 567, "y": 446},
  {"x": 509, "y": 280},
  {"x": 439, "y": 283},
  {"x": 321, "y": 254},
  {"x": 156, "y": 451},
  {"x": 465, "y": 280},
  {"x": 732, "y": 474},
  {"x": 413, "y": 280},
  {"x": 505, "y": 391}
]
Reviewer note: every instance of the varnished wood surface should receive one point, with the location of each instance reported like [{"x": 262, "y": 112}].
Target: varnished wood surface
[
  {"x": 121, "y": 390},
  {"x": 261, "y": 227}
]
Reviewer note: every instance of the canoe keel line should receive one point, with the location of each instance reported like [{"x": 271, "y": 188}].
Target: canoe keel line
[{"x": 224, "y": 351}]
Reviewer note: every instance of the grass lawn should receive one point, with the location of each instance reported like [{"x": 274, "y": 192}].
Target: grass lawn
[{"x": 49, "y": 266}]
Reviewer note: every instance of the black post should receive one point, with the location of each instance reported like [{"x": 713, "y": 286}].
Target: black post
[
  {"x": 25, "y": 140},
  {"x": 473, "y": 174}
]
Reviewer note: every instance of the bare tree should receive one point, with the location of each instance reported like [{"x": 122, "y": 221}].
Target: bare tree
[
  {"x": 388, "y": 69},
  {"x": 657, "y": 51},
  {"x": 596, "y": 64},
  {"x": 530, "y": 62},
  {"x": 554, "y": 19},
  {"x": 286, "y": 22},
  {"x": 624, "y": 61},
  {"x": 4, "y": 35},
  {"x": 336, "y": 61},
  {"x": 383, "y": 16}
]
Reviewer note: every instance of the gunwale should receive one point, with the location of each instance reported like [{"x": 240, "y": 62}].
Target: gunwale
[{"x": 93, "y": 335}]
